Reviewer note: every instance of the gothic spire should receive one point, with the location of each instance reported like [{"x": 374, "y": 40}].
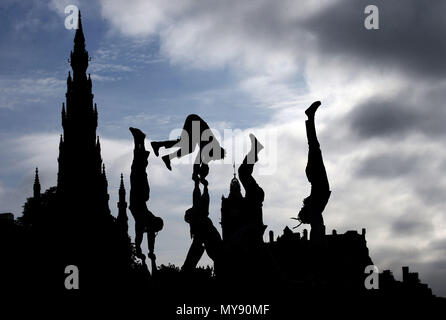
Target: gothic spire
[
  {"x": 234, "y": 187},
  {"x": 122, "y": 206},
  {"x": 80, "y": 148},
  {"x": 122, "y": 188},
  {"x": 122, "y": 202},
  {"x": 79, "y": 56},
  {"x": 69, "y": 79},
  {"x": 79, "y": 37},
  {"x": 233, "y": 166},
  {"x": 63, "y": 114},
  {"x": 98, "y": 144},
  {"x": 36, "y": 185}
]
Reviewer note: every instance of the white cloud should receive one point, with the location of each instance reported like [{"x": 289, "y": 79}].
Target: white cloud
[
  {"x": 278, "y": 61},
  {"x": 28, "y": 90},
  {"x": 59, "y": 6}
]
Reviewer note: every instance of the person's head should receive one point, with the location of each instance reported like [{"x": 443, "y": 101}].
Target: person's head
[
  {"x": 157, "y": 224},
  {"x": 305, "y": 212},
  {"x": 189, "y": 215}
]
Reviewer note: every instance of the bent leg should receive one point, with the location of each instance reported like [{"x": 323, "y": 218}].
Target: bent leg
[
  {"x": 194, "y": 255},
  {"x": 315, "y": 170},
  {"x": 166, "y": 144},
  {"x": 246, "y": 169},
  {"x": 212, "y": 242},
  {"x": 248, "y": 182},
  {"x": 139, "y": 231}
]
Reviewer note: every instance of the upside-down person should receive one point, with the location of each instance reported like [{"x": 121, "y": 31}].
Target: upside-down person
[
  {"x": 314, "y": 204},
  {"x": 145, "y": 220},
  {"x": 196, "y": 132},
  {"x": 204, "y": 235}
]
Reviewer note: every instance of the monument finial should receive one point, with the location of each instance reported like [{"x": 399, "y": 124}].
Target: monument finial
[
  {"x": 233, "y": 166},
  {"x": 36, "y": 186}
]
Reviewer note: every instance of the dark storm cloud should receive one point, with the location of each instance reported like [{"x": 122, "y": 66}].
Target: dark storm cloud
[
  {"x": 432, "y": 193},
  {"x": 411, "y": 35},
  {"x": 405, "y": 253},
  {"x": 411, "y": 226},
  {"x": 383, "y": 118},
  {"x": 387, "y": 166},
  {"x": 434, "y": 274},
  {"x": 439, "y": 245},
  {"x": 399, "y": 115}
]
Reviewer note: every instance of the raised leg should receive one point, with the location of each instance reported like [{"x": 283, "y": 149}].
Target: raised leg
[
  {"x": 315, "y": 170},
  {"x": 138, "y": 240},
  {"x": 314, "y": 204},
  {"x": 194, "y": 255},
  {"x": 247, "y": 167},
  {"x": 156, "y": 145}
]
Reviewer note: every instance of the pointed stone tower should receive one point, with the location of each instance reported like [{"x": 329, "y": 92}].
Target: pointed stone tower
[
  {"x": 232, "y": 209},
  {"x": 81, "y": 183},
  {"x": 122, "y": 218},
  {"x": 36, "y": 187}
]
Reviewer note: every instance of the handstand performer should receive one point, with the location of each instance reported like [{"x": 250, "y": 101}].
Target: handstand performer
[
  {"x": 242, "y": 223},
  {"x": 145, "y": 221},
  {"x": 204, "y": 235},
  {"x": 314, "y": 204},
  {"x": 195, "y": 132},
  {"x": 254, "y": 195}
]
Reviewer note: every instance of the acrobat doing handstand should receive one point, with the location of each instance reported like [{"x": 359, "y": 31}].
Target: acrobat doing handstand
[
  {"x": 203, "y": 233},
  {"x": 145, "y": 220},
  {"x": 196, "y": 132},
  {"x": 314, "y": 204}
]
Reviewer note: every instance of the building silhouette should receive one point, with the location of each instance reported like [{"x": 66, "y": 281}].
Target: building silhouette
[
  {"x": 81, "y": 173},
  {"x": 71, "y": 224},
  {"x": 232, "y": 217},
  {"x": 122, "y": 218},
  {"x": 36, "y": 186}
]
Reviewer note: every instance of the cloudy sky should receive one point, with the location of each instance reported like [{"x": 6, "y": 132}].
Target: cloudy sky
[{"x": 248, "y": 66}]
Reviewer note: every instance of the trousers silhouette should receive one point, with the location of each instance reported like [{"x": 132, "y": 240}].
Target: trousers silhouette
[
  {"x": 196, "y": 132},
  {"x": 315, "y": 203},
  {"x": 145, "y": 220},
  {"x": 204, "y": 234}
]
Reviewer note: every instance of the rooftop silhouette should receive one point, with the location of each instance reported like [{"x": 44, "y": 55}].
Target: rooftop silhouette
[{"x": 71, "y": 224}]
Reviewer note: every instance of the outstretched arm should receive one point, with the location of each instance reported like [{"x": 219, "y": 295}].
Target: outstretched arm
[
  {"x": 196, "y": 195},
  {"x": 205, "y": 197},
  {"x": 151, "y": 241}
]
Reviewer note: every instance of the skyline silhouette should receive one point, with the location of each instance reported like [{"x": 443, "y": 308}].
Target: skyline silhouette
[{"x": 80, "y": 171}]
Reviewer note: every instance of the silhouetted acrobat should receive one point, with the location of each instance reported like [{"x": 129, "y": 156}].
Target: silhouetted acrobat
[
  {"x": 204, "y": 235},
  {"x": 242, "y": 218},
  {"x": 314, "y": 204},
  {"x": 254, "y": 194},
  {"x": 145, "y": 221},
  {"x": 195, "y": 132},
  {"x": 242, "y": 223}
]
